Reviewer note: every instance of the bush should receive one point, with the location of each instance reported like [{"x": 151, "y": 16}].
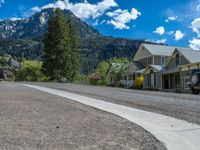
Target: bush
[
  {"x": 94, "y": 79},
  {"x": 30, "y": 71},
  {"x": 139, "y": 81},
  {"x": 81, "y": 79}
]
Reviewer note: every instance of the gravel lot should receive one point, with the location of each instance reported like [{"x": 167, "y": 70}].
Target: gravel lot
[
  {"x": 180, "y": 106},
  {"x": 33, "y": 120}
]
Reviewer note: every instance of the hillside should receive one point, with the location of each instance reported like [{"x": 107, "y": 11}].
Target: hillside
[{"x": 23, "y": 38}]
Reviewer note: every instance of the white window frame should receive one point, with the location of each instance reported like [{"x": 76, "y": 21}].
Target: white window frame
[{"x": 162, "y": 60}]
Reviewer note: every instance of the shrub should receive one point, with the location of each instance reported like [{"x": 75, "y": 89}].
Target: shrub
[
  {"x": 94, "y": 78},
  {"x": 30, "y": 71},
  {"x": 139, "y": 81}
]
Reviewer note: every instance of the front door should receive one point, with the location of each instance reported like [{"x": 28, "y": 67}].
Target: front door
[{"x": 166, "y": 82}]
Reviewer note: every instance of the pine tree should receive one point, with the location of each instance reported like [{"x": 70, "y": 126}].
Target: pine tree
[
  {"x": 74, "y": 47},
  {"x": 60, "y": 48}
]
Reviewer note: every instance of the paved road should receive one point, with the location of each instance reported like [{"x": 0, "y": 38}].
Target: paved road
[
  {"x": 180, "y": 106},
  {"x": 30, "y": 119}
]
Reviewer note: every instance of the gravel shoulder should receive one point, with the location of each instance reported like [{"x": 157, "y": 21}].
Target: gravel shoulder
[
  {"x": 180, "y": 106},
  {"x": 31, "y": 119}
]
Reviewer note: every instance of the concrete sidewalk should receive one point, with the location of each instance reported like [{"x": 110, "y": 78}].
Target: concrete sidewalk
[{"x": 176, "y": 134}]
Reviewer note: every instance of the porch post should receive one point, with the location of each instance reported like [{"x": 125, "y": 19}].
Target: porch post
[{"x": 153, "y": 60}]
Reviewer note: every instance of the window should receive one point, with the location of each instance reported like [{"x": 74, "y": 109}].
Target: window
[
  {"x": 152, "y": 79},
  {"x": 177, "y": 59},
  {"x": 162, "y": 60},
  {"x": 149, "y": 61}
]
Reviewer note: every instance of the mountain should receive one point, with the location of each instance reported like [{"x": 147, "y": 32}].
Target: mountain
[{"x": 23, "y": 38}]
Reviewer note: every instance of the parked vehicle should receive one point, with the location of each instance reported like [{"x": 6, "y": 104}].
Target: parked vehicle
[{"x": 195, "y": 81}]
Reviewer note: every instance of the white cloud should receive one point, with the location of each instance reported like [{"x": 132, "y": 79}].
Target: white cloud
[
  {"x": 162, "y": 41},
  {"x": 118, "y": 25},
  {"x": 160, "y": 30},
  {"x": 96, "y": 23},
  {"x": 36, "y": 9},
  {"x": 179, "y": 35},
  {"x": 1, "y": 2},
  {"x": 170, "y": 32},
  {"x": 171, "y": 18},
  {"x": 195, "y": 44},
  {"x": 83, "y": 10},
  {"x": 120, "y": 18},
  {"x": 103, "y": 21},
  {"x": 195, "y": 25},
  {"x": 15, "y": 19},
  {"x": 185, "y": 11},
  {"x": 167, "y": 20},
  {"x": 198, "y": 7}
]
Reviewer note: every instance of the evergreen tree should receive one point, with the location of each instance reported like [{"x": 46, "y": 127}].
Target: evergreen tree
[
  {"x": 73, "y": 40},
  {"x": 60, "y": 48}
]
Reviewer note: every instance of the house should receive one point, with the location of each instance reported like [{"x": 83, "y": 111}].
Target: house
[
  {"x": 165, "y": 68},
  {"x": 154, "y": 58},
  {"x": 124, "y": 74},
  {"x": 175, "y": 74},
  {"x": 178, "y": 70}
]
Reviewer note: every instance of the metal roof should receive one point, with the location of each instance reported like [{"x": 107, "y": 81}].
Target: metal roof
[
  {"x": 140, "y": 71},
  {"x": 158, "y": 68},
  {"x": 126, "y": 68},
  {"x": 160, "y": 50},
  {"x": 193, "y": 56}
]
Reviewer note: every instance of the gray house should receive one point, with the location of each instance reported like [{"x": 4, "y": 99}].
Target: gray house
[
  {"x": 154, "y": 58},
  {"x": 178, "y": 69},
  {"x": 175, "y": 74}
]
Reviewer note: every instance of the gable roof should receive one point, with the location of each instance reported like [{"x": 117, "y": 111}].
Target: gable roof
[
  {"x": 157, "y": 50},
  {"x": 156, "y": 68},
  {"x": 193, "y": 56},
  {"x": 126, "y": 68}
]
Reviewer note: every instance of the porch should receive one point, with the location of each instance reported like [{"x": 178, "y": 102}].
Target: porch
[{"x": 171, "y": 82}]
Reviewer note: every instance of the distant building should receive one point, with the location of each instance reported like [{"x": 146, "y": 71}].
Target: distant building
[{"x": 124, "y": 74}]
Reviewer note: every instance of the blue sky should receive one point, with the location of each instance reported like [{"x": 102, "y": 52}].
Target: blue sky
[{"x": 175, "y": 22}]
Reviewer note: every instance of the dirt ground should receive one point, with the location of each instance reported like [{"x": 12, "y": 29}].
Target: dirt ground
[{"x": 33, "y": 120}]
